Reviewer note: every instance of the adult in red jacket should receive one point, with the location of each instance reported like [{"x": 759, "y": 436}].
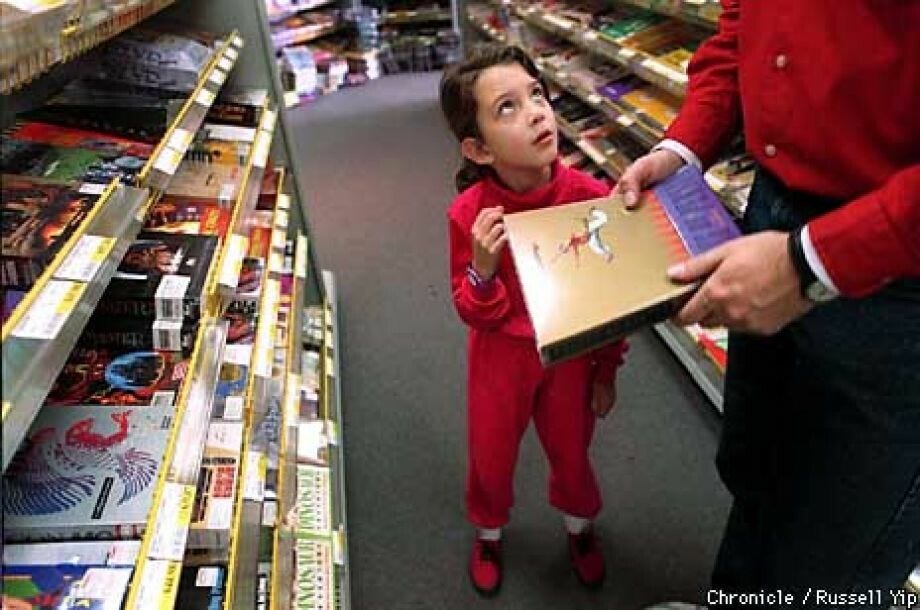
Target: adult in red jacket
[{"x": 821, "y": 439}]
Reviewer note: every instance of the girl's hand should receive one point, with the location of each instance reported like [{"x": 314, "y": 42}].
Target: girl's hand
[
  {"x": 604, "y": 397},
  {"x": 645, "y": 172},
  {"x": 488, "y": 240}
]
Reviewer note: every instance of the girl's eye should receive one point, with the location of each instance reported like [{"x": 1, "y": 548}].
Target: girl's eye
[
  {"x": 506, "y": 107},
  {"x": 537, "y": 93}
]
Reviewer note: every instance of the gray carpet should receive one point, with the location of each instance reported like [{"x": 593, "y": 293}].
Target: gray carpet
[{"x": 377, "y": 165}]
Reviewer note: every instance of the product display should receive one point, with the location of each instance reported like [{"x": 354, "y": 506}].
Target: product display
[
  {"x": 85, "y": 472},
  {"x": 38, "y": 218},
  {"x": 201, "y": 588},
  {"x": 592, "y": 272}
]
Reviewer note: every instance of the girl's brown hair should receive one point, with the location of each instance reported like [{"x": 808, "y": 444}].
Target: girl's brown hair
[{"x": 459, "y": 104}]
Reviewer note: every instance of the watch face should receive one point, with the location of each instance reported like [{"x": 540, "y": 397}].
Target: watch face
[{"x": 819, "y": 293}]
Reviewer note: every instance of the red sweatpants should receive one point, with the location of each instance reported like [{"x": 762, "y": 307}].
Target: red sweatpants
[{"x": 507, "y": 386}]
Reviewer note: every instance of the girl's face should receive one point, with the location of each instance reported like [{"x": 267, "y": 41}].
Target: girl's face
[{"x": 515, "y": 120}]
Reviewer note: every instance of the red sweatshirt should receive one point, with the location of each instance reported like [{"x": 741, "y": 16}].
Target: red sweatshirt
[
  {"x": 829, "y": 92},
  {"x": 500, "y": 307}
]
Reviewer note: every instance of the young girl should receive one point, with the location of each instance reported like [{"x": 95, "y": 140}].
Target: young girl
[{"x": 496, "y": 105}]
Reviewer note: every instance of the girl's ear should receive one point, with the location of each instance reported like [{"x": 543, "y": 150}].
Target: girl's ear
[{"x": 476, "y": 151}]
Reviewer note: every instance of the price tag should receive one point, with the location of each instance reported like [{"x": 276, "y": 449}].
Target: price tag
[
  {"x": 269, "y": 513},
  {"x": 48, "y": 313},
  {"x": 332, "y": 432},
  {"x": 281, "y": 220},
  {"x": 625, "y": 121},
  {"x": 590, "y": 36},
  {"x": 168, "y": 161},
  {"x": 561, "y": 23},
  {"x": 233, "y": 260},
  {"x": 594, "y": 99},
  {"x": 158, "y": 585},
  {"x": 232, "y": 54},
  {"x": 93, "y": 189},
  {"x": 291, "y": 99},
  {"x": 179, "y": 140},
  {"x": 171, "y": 529},
  {"x": 275, "y": 262},
  {"x": 217, "y": 77},
  {"x": 292, "y": 398},
  {"x": 260, "y": 155},
  {"x": 338, "y": 547},
  {"x": 207, "y": 577},
  {"x": 268, "y": 120},
  {"x": 83, "y": 262},
  {"x": 237, "y": 41},
  {"x": 279, "y": 240},
  {"x": 254, "y": 485},
  {"x": 225, "y": 64},
  {"x": 300, "y": 258},
  {"x": 233, "y": 406},
  {"x": 204, "y": 97},
  {"x": 626, "y": 53},
  {"x": 283, "y": 202}
]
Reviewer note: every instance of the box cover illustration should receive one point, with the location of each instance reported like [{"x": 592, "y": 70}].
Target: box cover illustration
[
  {"x": 64, "y": 587},
  {"x": 85, "y": 472},
  {"x": 69, "y": 163},
  {"x": 592, "y": 272},
  {"x": 38, "y": 218},
  {"x": 119, "y": 377},
  {"x": 162, "y": 276},
  {"x": 138, "y": 334},
  {"x": 177, "y": 215}
]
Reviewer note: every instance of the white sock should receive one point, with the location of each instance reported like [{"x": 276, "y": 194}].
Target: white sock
[
  {"x": 489, "y": 534},
  {"x": 575, "y": 525}
]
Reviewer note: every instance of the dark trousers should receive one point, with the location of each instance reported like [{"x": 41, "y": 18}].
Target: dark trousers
[{"x": 821, "y": 440}]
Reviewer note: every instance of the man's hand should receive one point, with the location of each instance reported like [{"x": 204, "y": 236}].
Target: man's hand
[
  {"x": 604, "y": 397},
  {"x": 645, "y": 172},
  {"x": 750, "y": 285},
  {"x": 488, "y": 240}
]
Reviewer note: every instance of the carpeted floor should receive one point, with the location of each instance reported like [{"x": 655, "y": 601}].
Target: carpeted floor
[{"x": 377, "y": 165}]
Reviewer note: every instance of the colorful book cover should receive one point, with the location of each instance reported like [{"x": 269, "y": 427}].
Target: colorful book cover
[
  {"x": 162, "y": 276},
  {"x": 592, "y": 272},
  {"x": 110, "y": 553},
  {"x": 655, "y": 104},
  {"x": 212, "y": 516},
  {"x": 86, "y": 472},
  {"x": 231, "y": 389},
  {"x": 206, "y": 182},
  {"x": 64, "y": 587},
  {"x": 38, "y": 218},
  {"x": 67, "y": 164},
  {"x": 176, "y": 215},
  {"x": 106, "y": 145},
  {"x": 11, "y": 299},
  {"x": 119, "y": 377}
]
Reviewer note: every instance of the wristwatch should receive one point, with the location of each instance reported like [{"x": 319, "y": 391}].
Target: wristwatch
[{"x": 811, "y": 287}]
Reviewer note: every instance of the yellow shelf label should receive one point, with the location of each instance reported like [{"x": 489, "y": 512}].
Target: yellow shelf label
[
  {"x": 279, "y": 239},
  {"x": 281, "y": 220},
  {"x": 590, "y": 35},
  {"x": 173, "y": 518},
  {"x": 205, "y": 97},
  {"x": 93, "y": 189},
  {"x": 217, "y": 77},
  {"x": 275, "y": 262},
  {"x": 180, "y": 139},
  {"x": 50, "y": 310},
  {"x": 168, "y": 161},
  {"x": 269, "y": 119},
  {"x": 225, "y": 64},
  {"x": 300, "y": 258},
  {"x": 262, "y": 147},
  {"x": 85, "y": 259},
  {"x": 284, "y": 201},
  {"x": 232, "y": 54},
  {"x": 233, "y": 260}
]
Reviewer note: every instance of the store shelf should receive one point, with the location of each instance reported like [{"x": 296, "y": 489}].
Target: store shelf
[
  {"x": 304, "y": 36},
  {"x": 632, "y": 122},
  {"x": 283, "y": 565},
  {"x": 74, "y": 40},
  {"x": 704, "y": 13},
  {"x": 643, "y": 65},
  {"x": 230, "y": 260},
  {"x": 242, "y": 569},
  {"x": 168, "y": 154},
  {"x": 42, "y": 331},
  {"x": 420, "y": 16},
  {"x": 332, "y": 384},
  {"x": 276, "y": 13},
  {"x": 485, "y": 29},
  {"x": 703, "y": 371},
  {"x": 155, "y": 581}
]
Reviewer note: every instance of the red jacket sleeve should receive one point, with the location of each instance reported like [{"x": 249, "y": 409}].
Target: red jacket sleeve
[
  {"x": 711, "y": 113},
  {"x": 480, "y": 309},
  {"x": 873, "y": 239}
]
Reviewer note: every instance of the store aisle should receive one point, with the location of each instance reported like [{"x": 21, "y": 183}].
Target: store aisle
[{"x": 377, "y": 171}]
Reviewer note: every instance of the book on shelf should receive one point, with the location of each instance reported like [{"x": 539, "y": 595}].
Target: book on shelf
[
  {"x": 162, "y": 276},
  {"x": 66, "y": 586},
  {"x": 212, "y": 516},
  {"x": 206, "y": 182},
  {"x": 138, "y": 334},
  {"x": 201, "y": 588},
  {"x": 118, "y": 377},
  {"x": 230, "y": 395},
  {"x": 85, "y": 472},
  {"x": 67, "y": 164},
  {"x": 173, "y": 214},
  {"x": 39, "y": 216},
  {"x": 592, "y": 272},
  {"x": 241, "y": 107}
]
